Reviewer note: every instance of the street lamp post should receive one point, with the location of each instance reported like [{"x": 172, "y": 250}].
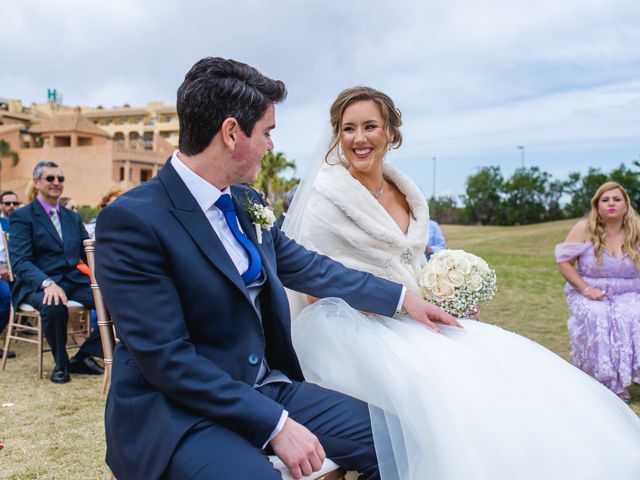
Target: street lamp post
[
  {"x": 434, "y": 179},
  {"x": 521, "y": 147}
]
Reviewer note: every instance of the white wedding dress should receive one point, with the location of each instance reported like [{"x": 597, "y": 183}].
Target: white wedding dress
[{"x": 478, "y": 403}]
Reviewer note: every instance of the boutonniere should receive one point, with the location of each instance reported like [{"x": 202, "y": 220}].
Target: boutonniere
[{"x": 261, "y": 216}]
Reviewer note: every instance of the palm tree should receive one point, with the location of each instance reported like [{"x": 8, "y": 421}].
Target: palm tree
[
  {"x": 6, "y": 152},
  {"x": 269, "y": 177}
]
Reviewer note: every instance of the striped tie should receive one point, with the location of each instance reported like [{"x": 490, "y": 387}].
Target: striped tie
[{"x": 55, "y": 219}]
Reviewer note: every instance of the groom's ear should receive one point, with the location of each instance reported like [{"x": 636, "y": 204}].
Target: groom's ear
[{"x": 229, "y": 131}]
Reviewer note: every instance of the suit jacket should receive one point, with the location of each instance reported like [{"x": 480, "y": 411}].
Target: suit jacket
[
  {"x": 37, "y": 252},
  {"x": 191, "y": 340},
  {"x": 4, "y": 223}
]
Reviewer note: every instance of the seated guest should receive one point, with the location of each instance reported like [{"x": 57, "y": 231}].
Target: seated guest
[
  {"x": 45, "y": 246},
  {"x": 68, "y": 203},
  {"x": 436, "y": 239},
  {"x": 9, "y": 203},
  {"x": 5, "y": 289},
  {"x": 600, "y": 260},
  {"x": 286, "y": 202},
  {"x": 110, "y": 196}
]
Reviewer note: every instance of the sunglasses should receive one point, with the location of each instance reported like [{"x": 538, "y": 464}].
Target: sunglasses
[
  {"x": 8, "y": 204},
  {"x": 51, "y": 178}
]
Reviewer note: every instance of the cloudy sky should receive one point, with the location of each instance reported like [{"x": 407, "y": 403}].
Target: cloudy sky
[{"x": 474, "y": 79}]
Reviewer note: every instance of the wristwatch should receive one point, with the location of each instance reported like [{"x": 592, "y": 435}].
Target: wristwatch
[{"x": 47, "y": 282}]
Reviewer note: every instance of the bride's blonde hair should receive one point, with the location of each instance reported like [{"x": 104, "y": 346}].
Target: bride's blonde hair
[
  {"x": 390, "y": 114},
  {"x": 630, "y": 225}
]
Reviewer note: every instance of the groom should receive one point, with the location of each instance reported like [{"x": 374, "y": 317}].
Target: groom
[{"x": 205, "y": 379}]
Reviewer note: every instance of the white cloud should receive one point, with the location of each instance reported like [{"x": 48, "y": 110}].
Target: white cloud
[{"x": 473, "y": 79}]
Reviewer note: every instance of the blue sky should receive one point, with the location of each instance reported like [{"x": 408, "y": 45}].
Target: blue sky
[{"x": 473, "y": 79}]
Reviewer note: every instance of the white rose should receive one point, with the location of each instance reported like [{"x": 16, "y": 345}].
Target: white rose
[
  {"x": 270, "y": 218},
  {"x": 456, "y": 277},
  {"x": 464, "y": 265},
  {"x": 475, "y": 281},
  {"x": 429, "y": 280},
  {"x": 450, "y": 262},
  {"x": 439, "y": 268},
  {"x": 444, "y": 289}
]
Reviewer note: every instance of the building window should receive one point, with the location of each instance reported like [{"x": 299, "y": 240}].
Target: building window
[
  {"x": 122, "y": 174},
  {"x": 85, "y": 141},
  {"x": 145, "y": 174},
  {"x": 61, "y": 141}
]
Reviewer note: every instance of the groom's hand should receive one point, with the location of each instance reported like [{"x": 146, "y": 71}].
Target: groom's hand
[
  {"x": 299, "y": 449},
  {"x": 426, "y": 313}
]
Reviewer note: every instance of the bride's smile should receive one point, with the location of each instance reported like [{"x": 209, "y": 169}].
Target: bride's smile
[{"x": 363, "y": 137}]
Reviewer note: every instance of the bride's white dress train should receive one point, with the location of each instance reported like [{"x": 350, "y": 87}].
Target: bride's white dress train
[
  {"x": 478, "y": 403},
  {"x": 474, "y": 403}
]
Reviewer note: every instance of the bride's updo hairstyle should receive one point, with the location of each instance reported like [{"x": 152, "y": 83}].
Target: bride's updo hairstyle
[
  {"x": 390, "y": 115},
  {"x": 598, "y": 228}
]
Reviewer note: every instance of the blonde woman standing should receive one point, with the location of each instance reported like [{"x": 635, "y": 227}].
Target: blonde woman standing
[{"x": 603, "y": 290}]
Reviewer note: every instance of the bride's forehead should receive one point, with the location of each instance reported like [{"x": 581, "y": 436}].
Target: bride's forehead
[{"x": 367, "y": 109}]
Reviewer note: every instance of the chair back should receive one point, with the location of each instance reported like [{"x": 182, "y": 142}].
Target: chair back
[
  {"x": 5, "y": 243},
  {"x": 105, "y": 324}
]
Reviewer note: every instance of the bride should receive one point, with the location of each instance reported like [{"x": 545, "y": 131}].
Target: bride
[{"x": 477, "y": 403}]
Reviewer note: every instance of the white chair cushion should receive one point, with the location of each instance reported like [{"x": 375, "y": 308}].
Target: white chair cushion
[
  {"x": 25, "y": 307},
  {"x": 327, "y": 467}
]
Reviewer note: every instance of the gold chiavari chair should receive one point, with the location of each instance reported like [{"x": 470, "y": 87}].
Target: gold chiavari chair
[
  {"x": 330, "y": 471},
  {"x": 26, "y": 323}
]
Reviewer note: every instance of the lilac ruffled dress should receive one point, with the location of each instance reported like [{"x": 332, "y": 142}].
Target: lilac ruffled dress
[{"x": 604, "y": 335}]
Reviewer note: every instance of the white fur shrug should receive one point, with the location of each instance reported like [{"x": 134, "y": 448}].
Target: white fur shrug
[{"x": 343, "y": 221}]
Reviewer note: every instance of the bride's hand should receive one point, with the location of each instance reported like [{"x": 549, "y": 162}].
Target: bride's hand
[{"x": 426, "y": 313}]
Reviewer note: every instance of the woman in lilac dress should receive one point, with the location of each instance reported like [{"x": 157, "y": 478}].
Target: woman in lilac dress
[{"x": 603, "y": 290}]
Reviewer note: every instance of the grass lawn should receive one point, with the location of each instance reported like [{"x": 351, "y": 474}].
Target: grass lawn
[{"x": 56, "y": 431}]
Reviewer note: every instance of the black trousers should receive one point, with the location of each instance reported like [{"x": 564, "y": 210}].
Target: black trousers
[{"x": 55, "y": 319}]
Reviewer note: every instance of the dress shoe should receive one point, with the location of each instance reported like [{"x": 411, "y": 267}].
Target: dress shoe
[
  {"x": 10, "y": 354},
  {"x": 60, "y": 375},
  {"x": 85, "y": 365}
]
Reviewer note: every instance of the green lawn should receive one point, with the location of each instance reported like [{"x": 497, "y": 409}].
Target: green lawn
[{"x": 56, "y": 431}]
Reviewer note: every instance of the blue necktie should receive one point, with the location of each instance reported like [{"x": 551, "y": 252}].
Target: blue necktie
[{"x": 225, "y": 204}]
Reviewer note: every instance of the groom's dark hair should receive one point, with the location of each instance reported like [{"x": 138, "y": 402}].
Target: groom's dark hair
[{"x": 216, "y": 89}]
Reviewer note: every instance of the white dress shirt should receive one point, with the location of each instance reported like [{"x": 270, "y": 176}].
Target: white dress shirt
[{"x": 206, "y": 195}]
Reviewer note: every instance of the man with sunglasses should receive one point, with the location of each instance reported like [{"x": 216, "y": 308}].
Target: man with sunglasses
[
  {"x": 45, "y": 246},
  {"x": 9, "y": 203}
]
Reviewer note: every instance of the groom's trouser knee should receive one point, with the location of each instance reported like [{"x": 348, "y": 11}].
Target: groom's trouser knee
[{"x": 340, "y": 422}]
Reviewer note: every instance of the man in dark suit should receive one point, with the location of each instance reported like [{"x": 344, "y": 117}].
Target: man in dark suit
[
  {"x": 45, "y": 246},
  {"x": 205, "y": 378},
  {"x": 5, "y": 289}
]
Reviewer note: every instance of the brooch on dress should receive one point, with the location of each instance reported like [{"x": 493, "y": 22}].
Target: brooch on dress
[{"x": 407, "y": 257}]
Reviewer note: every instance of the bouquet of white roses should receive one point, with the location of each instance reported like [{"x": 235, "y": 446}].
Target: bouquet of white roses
[{"x": 457, "y": 281}]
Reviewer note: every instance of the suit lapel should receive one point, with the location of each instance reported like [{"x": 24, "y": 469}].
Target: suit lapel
[
  {"x": 188, "y": 213},
  {"x": 46, "y": 222},
  {"x": 245, "y": 222}
]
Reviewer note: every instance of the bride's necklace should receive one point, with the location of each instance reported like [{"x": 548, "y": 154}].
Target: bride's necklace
[{"x": 378, "y": 193}]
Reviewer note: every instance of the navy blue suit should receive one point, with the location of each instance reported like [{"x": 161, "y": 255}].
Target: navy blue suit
[
  {"x": 38, "y": 253},
  {"x": 5, "y": 289},
  {"x": 191, "y": 340}
]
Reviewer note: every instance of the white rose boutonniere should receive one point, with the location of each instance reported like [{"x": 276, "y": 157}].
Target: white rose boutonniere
[{"x": 262, "y": 217}]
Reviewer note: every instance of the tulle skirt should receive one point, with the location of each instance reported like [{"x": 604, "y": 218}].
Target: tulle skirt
[{"x": 478, "y": 403}]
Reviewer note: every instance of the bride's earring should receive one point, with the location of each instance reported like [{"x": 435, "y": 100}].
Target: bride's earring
[{"x": 341, "y": 156}]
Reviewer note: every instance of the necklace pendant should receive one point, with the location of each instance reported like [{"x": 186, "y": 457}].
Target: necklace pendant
[{"x": 407, "y": 257}]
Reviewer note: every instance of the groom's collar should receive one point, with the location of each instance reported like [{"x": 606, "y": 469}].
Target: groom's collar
[{"x": 204, "y": 193}]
